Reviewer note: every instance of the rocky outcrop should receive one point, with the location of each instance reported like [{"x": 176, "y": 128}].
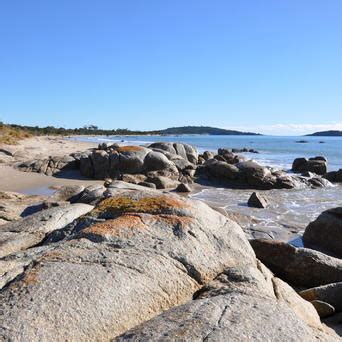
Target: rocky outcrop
[
  {"x": 49, "y": 166},
  {"x": 135, "y": 255},
  {"x": 298, "y": 266},
  {"x": 317, "y": 165},
  {"x": 251, "y": 175},
  {"x": 115, "y": 161},
  {"x": 325, "y": 233}
]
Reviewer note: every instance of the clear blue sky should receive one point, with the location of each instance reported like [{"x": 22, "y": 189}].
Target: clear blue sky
[{"x": 149, "y": 64}]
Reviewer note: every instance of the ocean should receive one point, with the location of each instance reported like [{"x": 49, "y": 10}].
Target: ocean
[
  {"x": 274, "y": 150},
  {"x": 290, "y": 211}
]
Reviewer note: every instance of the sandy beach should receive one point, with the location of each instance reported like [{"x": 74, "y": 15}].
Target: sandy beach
[{"x": 33, "y": 148}]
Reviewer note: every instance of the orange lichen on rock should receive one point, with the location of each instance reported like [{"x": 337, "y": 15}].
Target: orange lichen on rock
[
  {"x": 148, "y": 205},
  {"x": 30, "y": 277},
  {"x": 129, "y": 149},
  {"x": 121, "y": 226},
  {"x": 174, "y": 220}
]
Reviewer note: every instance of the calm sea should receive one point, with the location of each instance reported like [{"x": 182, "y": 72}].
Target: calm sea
[{"x": 274, "y": 151}]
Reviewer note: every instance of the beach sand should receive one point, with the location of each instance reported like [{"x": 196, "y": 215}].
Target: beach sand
[{"x": 39, "y": 147}]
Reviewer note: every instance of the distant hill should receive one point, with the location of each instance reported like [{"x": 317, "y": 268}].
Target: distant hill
[
  {"x": 326, "y": 134},
  {"x": 203, "y": 130}
]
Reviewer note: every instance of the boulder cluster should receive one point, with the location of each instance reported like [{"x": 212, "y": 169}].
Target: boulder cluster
[
  {"x": 164, "y": 165},
  {"x": 127, "y": 263}
]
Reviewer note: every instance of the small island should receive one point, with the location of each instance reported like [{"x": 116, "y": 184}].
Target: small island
[{"x": 326, "y": 134}]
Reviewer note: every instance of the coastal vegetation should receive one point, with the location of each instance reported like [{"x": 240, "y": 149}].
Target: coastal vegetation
[
  {"x": 95, "y": 130},
  {"x": 11, "y": 135}
]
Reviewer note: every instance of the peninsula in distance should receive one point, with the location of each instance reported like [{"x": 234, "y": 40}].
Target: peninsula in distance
[{"x": 326, "y": 134}]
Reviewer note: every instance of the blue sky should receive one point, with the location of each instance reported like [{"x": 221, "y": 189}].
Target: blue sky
[{"x": 273, "y": 66}]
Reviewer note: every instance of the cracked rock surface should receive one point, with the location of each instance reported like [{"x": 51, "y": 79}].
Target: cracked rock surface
[{"x": 164, "y": 266}]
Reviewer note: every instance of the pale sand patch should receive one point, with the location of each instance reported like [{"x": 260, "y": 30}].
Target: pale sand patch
[
  {"x": 41, "y": 147},
  {"x": 44, "y": 146},
  {"x": 28, "y": 182}
]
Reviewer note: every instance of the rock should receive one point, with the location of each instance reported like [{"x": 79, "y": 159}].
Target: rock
[
  {"x": 153, "y": 252},
  {"x": 168, "y": 147},
  {"x": 237, "y": 306},
  {"x": 86, "y": 166},
  {"x": 181, "y": 163},
  {"x": 100, "y": 162},
  {"x": 134, "y": 179},
  {"x": 183, "y": 188},
  {"x": 158, "y": 161},
  {"x": 221, "y": 170},
  {"x": 301, "y": 307},
  {"x": 325, "y": 233},
  {"x": 162, "y": 182},
  {"x": 253, "y": 173},
  {"x": 298, "y": 266},
  {"x": 52, "y": 204},
  {"x": 330, "y": 293},
  {"x": 334, "y": 176},
  {"x": 107, "y": 182},
  {"x": 191, "y": 153},
  {"x": 27, "y": 232},
  {"x": 92, "y": 193},
  {"x": 256, "y": 200},
  {"x": 316, "y": 165},
  {"x": 302, "y": 142},
  {"x": 70, "y": 193},
  {"x": 319, "y": 182},
  {"x": 206, "y": 155},
  {"x": 148, "y": 185},
  {"x": 128, "y": 159},
  {"x": 120, "y": 185},
  {"x": 323, "y": 309}
]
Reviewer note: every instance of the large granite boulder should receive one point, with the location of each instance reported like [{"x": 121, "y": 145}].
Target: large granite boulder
[
  {"x": 317, "y": 165},
  {"x": 128, "y": 159},
  {"x": 298, "y": 266},
  {"x": 325, "y": 233},
  {"x": 158, "y": 161},
  {"x": 241, "y": 304},
  {"x": 135, "y": 255}
]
